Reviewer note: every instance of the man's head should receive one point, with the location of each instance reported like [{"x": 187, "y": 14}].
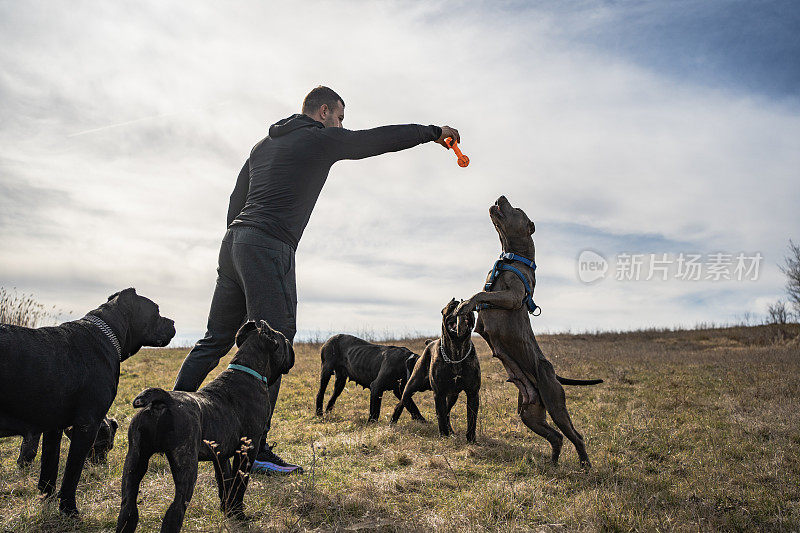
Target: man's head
[{"x": 324, "y": 105}]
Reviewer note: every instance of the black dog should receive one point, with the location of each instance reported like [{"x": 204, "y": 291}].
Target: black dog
[
  {"x": 213, "y": 424},
  {"x": 55, "y": 377},
  {"x": 103, "y": 443},
  {"x": 376, "y": 367},
  {"x": 448, "y": 365}
]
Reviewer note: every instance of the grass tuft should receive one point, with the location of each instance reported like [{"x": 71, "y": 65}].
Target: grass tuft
[{"x": 692, "y": 430}]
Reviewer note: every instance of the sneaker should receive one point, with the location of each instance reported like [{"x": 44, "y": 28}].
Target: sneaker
[{"x": 267, "y": 462}]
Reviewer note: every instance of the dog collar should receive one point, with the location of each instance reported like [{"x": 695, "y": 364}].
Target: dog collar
[
  {"x": 447, "y": 359},
  {"x": 508, "y": 256},
  {"x": 250, "y": 371},
  {"x": 107, "y": 331},
  {"x": 500, "y": 266}
]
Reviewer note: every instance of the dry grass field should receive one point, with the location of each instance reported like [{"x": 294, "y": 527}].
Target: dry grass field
[{"x": 692, "y": 431}]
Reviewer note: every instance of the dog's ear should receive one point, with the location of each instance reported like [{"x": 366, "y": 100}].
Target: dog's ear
[
  {"x": 411, "y": 362},
  {"x": 449, "y": 307},
  {"x": 127, "y": 292},
  {"x": 244, "y": 331}
]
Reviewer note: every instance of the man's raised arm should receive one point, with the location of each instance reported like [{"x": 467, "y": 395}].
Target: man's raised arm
[{"x": 340, "y": 143}]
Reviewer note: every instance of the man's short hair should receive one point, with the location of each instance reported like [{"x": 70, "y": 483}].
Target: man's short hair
[{"x": 318, "y": 96}]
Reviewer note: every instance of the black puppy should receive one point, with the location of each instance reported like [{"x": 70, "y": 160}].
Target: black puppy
[
  {"x": 55, "y": 377},
  {"x": 209, "y": 425},
  {"x": 376, "y": 367},
  {"x": 448, "y": 365},
  {"x": 103, "y": 443}
]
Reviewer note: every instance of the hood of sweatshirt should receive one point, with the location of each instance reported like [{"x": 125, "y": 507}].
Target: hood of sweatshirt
[{"x": 295, "y": 122}]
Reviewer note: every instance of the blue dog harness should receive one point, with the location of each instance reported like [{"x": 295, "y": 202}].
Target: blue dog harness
[
  {"x": 250, "y": 371},
  {"x": 502, "y": 265}
]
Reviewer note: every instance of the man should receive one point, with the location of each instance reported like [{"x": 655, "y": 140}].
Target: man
[{"x": 269, "y": 208}]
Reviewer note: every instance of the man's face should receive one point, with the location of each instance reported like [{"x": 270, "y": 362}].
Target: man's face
[{"x": 333, "y": 118}]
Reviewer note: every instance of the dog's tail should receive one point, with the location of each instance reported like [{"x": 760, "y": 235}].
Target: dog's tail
[
  {"x": 152, "y": 396},
  {"x": 568, "y": 381},
  {"x": 329, "y": 349}
]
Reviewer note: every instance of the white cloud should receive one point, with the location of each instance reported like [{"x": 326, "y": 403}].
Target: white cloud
[{"x": 122, "y": 130}]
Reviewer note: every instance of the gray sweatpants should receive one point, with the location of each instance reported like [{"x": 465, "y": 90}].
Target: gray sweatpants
[{"x": 255, "y": 281}]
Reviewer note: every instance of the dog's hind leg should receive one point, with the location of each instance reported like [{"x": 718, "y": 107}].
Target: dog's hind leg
[
  {"x": 533, "y": 416},
  {"x": 222, "y": 472},
  {"x": 324, "y": 378},
  {"x": 338, "y": 387},
  {"x": 51, "y": 450},
  {"x": 28, "y": 449},
  {"x": 555, "y": 402},
  {"x": 183, "y": 464},
  {"x": 136, "y": 461}
]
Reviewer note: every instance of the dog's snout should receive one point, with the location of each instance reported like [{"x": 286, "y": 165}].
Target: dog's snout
[
  {"x": 289, "y": 356},
  {"x": 168, "y": 326}
]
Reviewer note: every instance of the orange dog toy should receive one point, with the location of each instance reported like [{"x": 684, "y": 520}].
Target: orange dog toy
[{"x": 463, "y": 160}]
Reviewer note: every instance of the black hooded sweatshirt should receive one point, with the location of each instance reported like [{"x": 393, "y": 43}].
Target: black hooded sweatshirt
[{"x": 279, "y": 184}]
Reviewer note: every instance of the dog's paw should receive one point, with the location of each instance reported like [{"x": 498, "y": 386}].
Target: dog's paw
[
  {"x": 465, "y": 308},
  {"x": 68, "y": 508},
  {"x": 236, "y": 514}
]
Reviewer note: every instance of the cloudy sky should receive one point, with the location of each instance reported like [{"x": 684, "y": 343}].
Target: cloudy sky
[{"x": 620, "y": 127}]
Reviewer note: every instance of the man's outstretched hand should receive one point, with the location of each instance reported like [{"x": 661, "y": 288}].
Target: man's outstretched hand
[{"x": 447, "y": 131}]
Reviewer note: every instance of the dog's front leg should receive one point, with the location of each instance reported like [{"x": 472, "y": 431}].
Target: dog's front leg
[
  {"x": 415, "y": 383},
  {"x": 410, "y": 405},
  {"x": 442, "y": 413},
  {"x": 376, "y": 390},
  {"x": 51, "y": 449},
  {"x": 242, "y": 463},
  {"x": 473, "y": 401},
  {"x": 83, "y": 436},
  {"x": 509, "y": 299}
]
